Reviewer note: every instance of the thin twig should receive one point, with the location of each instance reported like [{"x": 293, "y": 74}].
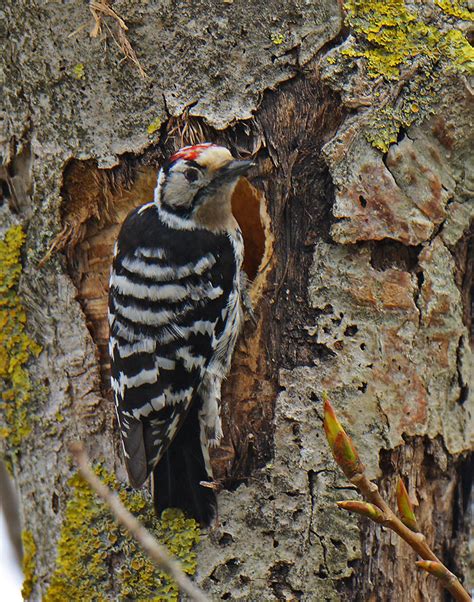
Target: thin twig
[
  {"x": 347, "y": 458},
  {"x": 417, "y": 541},
  {"x": 155, "y": 551}
]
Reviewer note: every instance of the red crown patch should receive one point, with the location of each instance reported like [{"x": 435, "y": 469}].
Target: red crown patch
[{"x": 190, "y": 153}]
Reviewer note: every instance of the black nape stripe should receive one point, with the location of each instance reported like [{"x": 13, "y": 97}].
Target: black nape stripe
[{"x": 167, "y": 165}]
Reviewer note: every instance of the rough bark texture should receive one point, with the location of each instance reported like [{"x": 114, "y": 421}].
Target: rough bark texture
[{"x": 364, "y": 253}]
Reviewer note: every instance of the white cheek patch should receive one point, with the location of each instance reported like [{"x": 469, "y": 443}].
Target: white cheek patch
[{"x": 177, "y": 191}]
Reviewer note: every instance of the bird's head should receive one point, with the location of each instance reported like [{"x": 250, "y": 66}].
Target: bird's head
[{"x": 195, "y": 186}]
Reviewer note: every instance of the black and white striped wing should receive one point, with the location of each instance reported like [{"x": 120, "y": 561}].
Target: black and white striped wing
[{"x": 168, "y": 296}]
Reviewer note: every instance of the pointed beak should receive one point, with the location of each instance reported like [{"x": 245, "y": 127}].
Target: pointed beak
[{"x": 234, "y": 169}]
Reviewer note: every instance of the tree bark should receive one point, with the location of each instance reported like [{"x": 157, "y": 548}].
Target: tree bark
[{"x": 358, "y": 226}]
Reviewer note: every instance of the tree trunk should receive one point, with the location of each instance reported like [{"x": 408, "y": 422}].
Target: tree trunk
[{"x": 358, "y": 228}]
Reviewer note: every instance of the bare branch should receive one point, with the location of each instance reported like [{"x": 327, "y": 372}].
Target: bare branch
[{"x": 158, "y": 553}]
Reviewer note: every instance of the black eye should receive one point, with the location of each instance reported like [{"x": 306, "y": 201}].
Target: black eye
[{"x": 191, "y": 175}]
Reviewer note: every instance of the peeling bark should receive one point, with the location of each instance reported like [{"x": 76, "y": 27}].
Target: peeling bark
[{"x": 359, "y": 242}]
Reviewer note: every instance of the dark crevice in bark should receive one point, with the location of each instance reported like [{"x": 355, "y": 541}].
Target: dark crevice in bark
[
  {"x": 298, "y": 120},
  {"x": 463, "y": 254},
  {"x": 279, "y": 584},
  {"x": 322, "y": 570},
  {"x": 463, "y": 386},
  {"x": 463, "y": 495},
  {"x": 386, "y": 254},
  {"x": 311, "y": 475},
  {"x": 16, "y": 183}
]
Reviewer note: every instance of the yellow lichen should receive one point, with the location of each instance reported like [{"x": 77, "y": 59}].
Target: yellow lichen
[
  {"x": 277, "y": 38},
  {"x": 154, "y": 126},
  {"x": 91, "y": 543},
  {"x": 388, "y": 35},
  {"x": 401, "y": 41},
  {"x": 454, "y": 8},
  {"x": 28, "y": 564},
  {"x": 78, "y": 71},
  {"x": 16, "y": 347},
  {"x": 458, "y": 51},
  {"x": 413, "y": 104}
]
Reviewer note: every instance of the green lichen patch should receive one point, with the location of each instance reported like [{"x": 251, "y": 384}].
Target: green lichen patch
[
  {"x": 415, "y": 45},
  {"x": 16, "y": 347},
  {"x": 96, "y": 557},
  {"x": 28, "y": 564}
]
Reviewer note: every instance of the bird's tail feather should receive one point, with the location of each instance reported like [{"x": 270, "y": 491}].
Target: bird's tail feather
[{"x": 177, "y": 476}]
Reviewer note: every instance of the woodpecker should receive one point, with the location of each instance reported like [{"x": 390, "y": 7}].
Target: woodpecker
[{"x": 175, "y": 311}]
